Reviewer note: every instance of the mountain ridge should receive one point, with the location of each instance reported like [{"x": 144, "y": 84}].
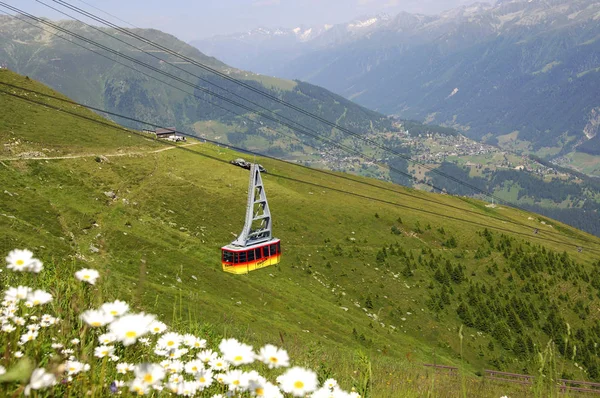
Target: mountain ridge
[{"x": 494, "y": 55}]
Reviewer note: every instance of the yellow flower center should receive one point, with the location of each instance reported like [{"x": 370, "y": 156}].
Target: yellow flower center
[
  {"x": 170, "y": 343},
  {"x": 36, "y": 302},
  {"x": 238, "y": 358},
  {"x": 86, "y": 277},
  {"x": 202, "y": 379},
  {"x": 273, "y": 359},
  {"x": 113, "y": 312},
  {"x": 20, "y": 262},
  {"x": 148, "y": 378},
  {"x": 96, "y": 323},
  {"x": 260, "y": 391},
  {"x": 236, "y": 383},
  {"x": 130, "y": 334},
  {"x": 195, "y": 369},
  {"x": 298, "y": 384}
]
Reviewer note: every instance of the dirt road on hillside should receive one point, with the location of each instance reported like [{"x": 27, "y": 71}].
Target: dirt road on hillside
[{"x": 90, "y": 155}]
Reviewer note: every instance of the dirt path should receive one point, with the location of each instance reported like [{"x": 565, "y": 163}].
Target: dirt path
[{"x": 110, "y": 155}]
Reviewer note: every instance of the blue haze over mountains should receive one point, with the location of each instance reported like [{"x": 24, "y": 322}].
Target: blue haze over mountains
[{"x": 531, "y": 66}]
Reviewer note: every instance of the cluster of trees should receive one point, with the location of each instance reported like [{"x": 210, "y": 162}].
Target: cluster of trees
[{"x": 526, "y": 295}]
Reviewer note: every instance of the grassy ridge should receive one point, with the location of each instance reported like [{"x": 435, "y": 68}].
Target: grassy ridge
[{"x": 358, "y": 274}]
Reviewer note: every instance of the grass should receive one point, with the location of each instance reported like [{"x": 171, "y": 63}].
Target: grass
[{"x": 157, "y": 244}]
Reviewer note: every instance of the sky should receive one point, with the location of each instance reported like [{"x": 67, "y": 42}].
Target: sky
[{"x": 196, "y": 19}]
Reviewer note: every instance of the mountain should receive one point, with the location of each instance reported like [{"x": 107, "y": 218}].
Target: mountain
[
  {"x": 102, "y": 82},
  {"x": 518, "y": 72},
  {"x": 368, "y": 266}
]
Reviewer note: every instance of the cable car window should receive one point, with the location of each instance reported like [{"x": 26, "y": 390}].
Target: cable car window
[
  {"x": 251, "y": 255},
  {"x": 227, "y": 256},
  {"x": 242, "y": 257},
  {"x": 278, "y": 247},
  {"x": 236, "y": 258},
  {"x": 273, "y": 250},
  {"x": 257, "y": 253}
]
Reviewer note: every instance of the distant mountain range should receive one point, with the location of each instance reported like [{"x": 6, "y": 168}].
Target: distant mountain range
[
  {"x": 100, "y": 81},
  {"x": 523, "y": 72}
]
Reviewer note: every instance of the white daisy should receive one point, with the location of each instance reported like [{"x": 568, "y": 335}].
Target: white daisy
[
  {"x": 39, "y": 379},
  {"x": 116, "y": 308},
  {"x": 39, "y": 297},
  {"x": 96, "y": 318},
  {"x": 194, "y": 366},
  {"x": 235, "y": 380},
  {"x": 103, "y": 351},
  {"x": 150, "y": 373},
  {"x": 273, "y": 357},
  {"x": 206, "y": 355},
  {"x": 169, "y": 341},
  {"x": 75, "y": 367},
  {"x": 157, "y": 327},
  {"x": 130, "y": 327},
  {"x": 107, "y": 338},
  {"x": 218, "y": 364},
  {"x": 236, "y": 353},
  {"x": 298, "y": 381},
  {"x": 29, "y": 336},
  {"x": 204, "y": 377},
  {"x": 87, "y": 275},
  {"x": 14, "y": 294},
  {"x": 19, "y": 260}
]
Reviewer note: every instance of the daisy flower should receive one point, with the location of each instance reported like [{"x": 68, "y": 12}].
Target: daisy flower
[
  {"x": 103, "y": 351},
  {"x": 206, "y": 355},
  {"x": 124, "y": 367},
  {"x": 235, "y": 380},
  {"x": 157, "y": 327},
  {"x": 194, "y": 366},
  {"x": 75, "y": 367},
  {"x": 218, "y": 364},
  {"x": 139, "y": 387},
  {"x": 236, "y": 353},
  {"x": 29, "y": 336},
  {"x": 298, "y": 381},
  {"x": 273, "y": 357},
  {"x": 2, "y": 370},
  {"x": 204, "y": 377},
  {"x": 116, "y": 308},
  {"x": 169, "y": 341},
  {"x": 87, "y": 275},
  {"x": 330, "y": 384},
  {"x": 39, "y": 297},
  {"x": 39, "y": 379},
  {"x": 14, "y": 294},
  {"x": 19, "y": 260},
  {"x": 107, "y": 338},
  {"x": 129, "y": 328},
  {"x": 150, "y": 373},
  {"x": 96, "y": 318}
]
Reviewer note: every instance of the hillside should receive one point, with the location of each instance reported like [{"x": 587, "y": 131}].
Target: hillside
[
  {"x": 368, "y": 266},
  {"x": 523, "y": 71},
  {"x": 108, "y": 81}
]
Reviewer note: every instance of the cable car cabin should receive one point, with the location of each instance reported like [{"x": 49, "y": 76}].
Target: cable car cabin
[
  {"x": 241, "y": 260},
  {"x": 255, "y": 247}
]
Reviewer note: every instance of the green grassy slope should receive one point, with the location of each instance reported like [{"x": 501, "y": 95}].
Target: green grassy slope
[{"x": 384, "y": 273}]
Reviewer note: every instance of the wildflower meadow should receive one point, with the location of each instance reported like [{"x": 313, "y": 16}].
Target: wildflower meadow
[{"x": 57, "y": 342}]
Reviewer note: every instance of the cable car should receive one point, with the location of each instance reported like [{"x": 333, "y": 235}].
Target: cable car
[{"x": 255, "y": 247}]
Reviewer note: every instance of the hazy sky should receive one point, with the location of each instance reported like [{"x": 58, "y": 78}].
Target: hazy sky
[{"x": 188, "y": 19}]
